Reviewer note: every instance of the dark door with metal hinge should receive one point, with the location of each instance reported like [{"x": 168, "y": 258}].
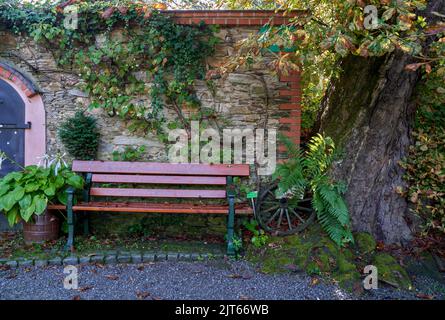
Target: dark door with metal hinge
[
  {"x": 12, "y": 135},
  {"x": 12, "y": 128}
]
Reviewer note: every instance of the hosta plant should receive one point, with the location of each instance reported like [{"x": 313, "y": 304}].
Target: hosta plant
[{"x": 26, "y": 193}]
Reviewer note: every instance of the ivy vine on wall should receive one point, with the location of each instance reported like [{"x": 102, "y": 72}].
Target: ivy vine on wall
[{"x": 116, "y": 42}]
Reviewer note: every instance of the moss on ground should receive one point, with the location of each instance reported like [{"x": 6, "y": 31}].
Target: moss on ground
[
  {"x": 391, "y": 272},
  {"x": 365, "y": 242},
  {"x": 314, "y": 253}
]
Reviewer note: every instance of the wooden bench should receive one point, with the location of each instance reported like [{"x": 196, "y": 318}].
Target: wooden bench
[{"x": 158, "y": 176}]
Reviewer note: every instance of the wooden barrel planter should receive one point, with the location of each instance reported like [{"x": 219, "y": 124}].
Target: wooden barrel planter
[{"x": 43, "y": 228}]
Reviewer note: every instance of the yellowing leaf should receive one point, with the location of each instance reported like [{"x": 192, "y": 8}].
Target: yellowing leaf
[{"x": 388, "y": 14}]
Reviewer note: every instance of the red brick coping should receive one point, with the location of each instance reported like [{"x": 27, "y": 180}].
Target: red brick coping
[
  {"x": 233, "y": 17},
  {"x": 8, "y": 72}
]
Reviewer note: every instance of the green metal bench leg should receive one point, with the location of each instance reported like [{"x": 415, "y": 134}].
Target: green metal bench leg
[
  {"x": 230, "y": 226},
  {"x": 86, "y": 198},
  {"x": 86, "y": 224},
  {"x": 231, "y": 218},
  {"x": 70, "y": 217}
]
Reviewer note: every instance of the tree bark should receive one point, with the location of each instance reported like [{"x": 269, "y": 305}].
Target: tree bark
[{"x": 368, "y": 111}]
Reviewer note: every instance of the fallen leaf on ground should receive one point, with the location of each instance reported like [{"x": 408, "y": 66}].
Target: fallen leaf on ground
[
  {"x": 82, "y": 289},
  {"x": 5, "y": 268},
  {"x": 141, "y": 295},
  {"x": 292, "y": 267},
  {"x": 242, "y": 276},
  {"x": 76, "y": 297},
  {"x": 424, "y": 296},
  {"x": 140, "y": 268},
  {"x": 112, "y": 277},
  {"x": 314, "y": 281},
  {"x": 243, "y": 297},
  {"x": 274, "y": 246},
  {"x": 380, "y": 245}
]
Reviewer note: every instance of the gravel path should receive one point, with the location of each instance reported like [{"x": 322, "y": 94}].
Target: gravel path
[{"x": 176, "y": 280}]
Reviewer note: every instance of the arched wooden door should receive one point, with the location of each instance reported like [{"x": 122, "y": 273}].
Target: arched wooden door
[{"x": 12, "y": 128}]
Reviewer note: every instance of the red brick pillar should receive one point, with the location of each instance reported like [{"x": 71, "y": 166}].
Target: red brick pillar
[{"x": 290, "y": 123}]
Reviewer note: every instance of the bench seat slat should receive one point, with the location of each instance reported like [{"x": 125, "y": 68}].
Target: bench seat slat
[
  {"x": 158, "y": 193},
  {"x": 153, "y": 179},
  {"x": 136, "y": 207},
  {"x": 120, "y": 167}
]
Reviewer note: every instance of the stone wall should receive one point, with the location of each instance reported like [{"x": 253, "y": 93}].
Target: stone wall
[{"x": 246, "y": 98}]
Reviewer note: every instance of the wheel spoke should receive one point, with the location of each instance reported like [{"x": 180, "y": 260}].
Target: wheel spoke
[
  {"x": 298, "y": 216},
  {"x": 279, "y": 219},
  {"x": 269, "y": 202},
  {"x": 273, "y": 217},
  {"x": 303, "y": 209},
  {"x": 288, "y": 219},
  {"x": 272, "y": 208}
]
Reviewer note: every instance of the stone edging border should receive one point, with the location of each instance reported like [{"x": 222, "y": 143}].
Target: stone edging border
[{"x": 113, "y": 258}]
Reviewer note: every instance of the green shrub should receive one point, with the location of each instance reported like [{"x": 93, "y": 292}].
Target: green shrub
[{"x": 80, "y": 136}]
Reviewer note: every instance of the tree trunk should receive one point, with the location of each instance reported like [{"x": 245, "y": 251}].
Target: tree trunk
[{"x": 368, "y": 112}]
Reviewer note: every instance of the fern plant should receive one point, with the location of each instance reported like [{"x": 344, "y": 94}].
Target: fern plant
[{"x": 309, "y": 171}]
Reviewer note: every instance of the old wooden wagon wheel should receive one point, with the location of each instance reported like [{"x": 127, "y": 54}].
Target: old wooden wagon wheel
[{"x": 282, "y": 216}]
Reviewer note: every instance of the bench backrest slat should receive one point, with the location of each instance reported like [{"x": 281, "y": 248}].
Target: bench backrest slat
[
  {"x": 155, "y": 168},
  {"x": 158, "y": 179},
  {"x": 158, "y": 193}
]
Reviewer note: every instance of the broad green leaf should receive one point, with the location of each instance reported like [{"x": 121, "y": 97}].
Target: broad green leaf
[
  {"x": 30, "y": 187},
  {"x": 25, "y": 201},
  {"x": 75, "y": 181},
  {"x": 62, "y": 197},
  {"x": 7, "y": 201},
  {"x": 60, "y": 181},
  {"x": 12, "y": 176},
  {"x": 18, "y": 193},
  {"x": 13, "y": 216},
  {"x": 40, "y": 203},
  {"x": 50, "y": 190},
  {"x": 4, "y": 189},
  {"x": 28, "y": 212}
]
